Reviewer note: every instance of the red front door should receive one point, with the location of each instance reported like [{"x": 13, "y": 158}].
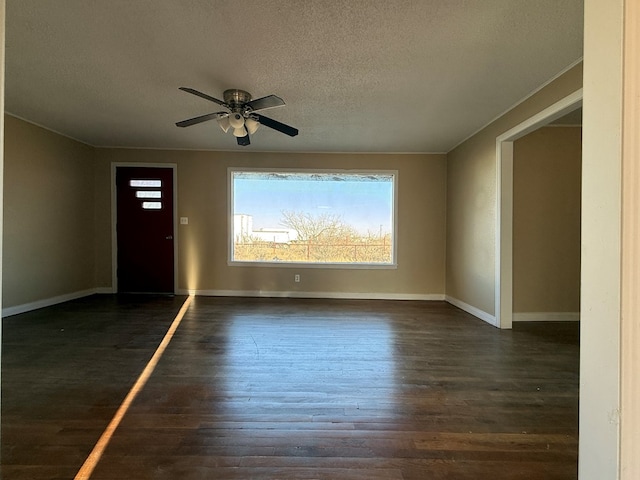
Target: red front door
[{"x": 144, "y": 226}]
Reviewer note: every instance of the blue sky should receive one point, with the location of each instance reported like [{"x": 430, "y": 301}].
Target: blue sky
[{"x": 362, "y": 202}]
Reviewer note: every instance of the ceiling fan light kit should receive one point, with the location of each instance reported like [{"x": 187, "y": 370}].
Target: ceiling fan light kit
[
  {"x": 236, "y": 120},
  {"x": 251, "y": 125},
  {"x": 224, "y": 124},
  {"x": 242, "y": 116},
  {"x": 240, "y": 132}
]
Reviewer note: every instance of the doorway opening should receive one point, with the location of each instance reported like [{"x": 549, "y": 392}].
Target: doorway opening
[{"x": 504, "y": 207}]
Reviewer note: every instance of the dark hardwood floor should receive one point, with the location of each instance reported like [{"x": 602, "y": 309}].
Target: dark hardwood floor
[{"x": 288, "y": 389}]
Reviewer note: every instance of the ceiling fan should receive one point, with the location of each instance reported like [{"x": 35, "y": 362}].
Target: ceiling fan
[{"x": 242, "y": 116}]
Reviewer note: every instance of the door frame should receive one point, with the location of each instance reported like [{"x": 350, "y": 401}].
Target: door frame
[
  {"x": 504, "y": 207},
  {"x": 114, "y": 218}
]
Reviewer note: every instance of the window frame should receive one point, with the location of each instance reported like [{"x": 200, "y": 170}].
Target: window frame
[{"x": 351, "y": 266}]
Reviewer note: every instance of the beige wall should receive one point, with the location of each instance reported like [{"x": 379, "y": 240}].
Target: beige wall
[
  {"x": 58, "y": 239},
  {"x": 472, "y": 201},
  {"x": 546, "y": 220},
  {"x": 48, "y": 237},
  {"x": 202, "y": 197}
]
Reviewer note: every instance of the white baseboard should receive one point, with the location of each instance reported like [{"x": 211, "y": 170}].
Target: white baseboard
[
  {"x": 327, "y": 295},
  {"x": 476, "y": 312},
  {"x": 104, "y": 290},
  {"x": 47, "y": 302},
  {"x": 27, "y": 307},
  {"x": 546, "y": 316}
]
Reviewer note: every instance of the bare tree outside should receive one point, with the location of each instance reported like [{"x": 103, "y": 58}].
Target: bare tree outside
[
  {"x": 317, "y": 227},
  {"x": 323, "y": 238}
]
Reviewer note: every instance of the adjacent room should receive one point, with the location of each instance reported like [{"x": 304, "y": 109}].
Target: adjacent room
[{"x": 282, "y": 239}]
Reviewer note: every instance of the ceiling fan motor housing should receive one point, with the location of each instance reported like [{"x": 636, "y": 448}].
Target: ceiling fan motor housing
[{"x": 236, "y": 98}]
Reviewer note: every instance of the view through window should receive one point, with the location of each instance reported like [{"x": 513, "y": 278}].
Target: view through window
[{"x": 313, "y": 217}]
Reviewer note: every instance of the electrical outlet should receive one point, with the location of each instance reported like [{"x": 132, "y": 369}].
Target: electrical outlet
[{"x": 296, "y": 278}]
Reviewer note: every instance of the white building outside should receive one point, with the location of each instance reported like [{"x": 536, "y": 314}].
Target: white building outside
[{"x": 243, "y": 231}]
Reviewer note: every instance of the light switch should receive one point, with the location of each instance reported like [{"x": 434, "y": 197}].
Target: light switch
[{"x": 184, "y": 220}]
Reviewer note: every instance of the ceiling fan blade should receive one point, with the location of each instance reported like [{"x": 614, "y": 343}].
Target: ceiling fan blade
[
  {"x": 244, "y": 141},
  {"x": 263, "y": 103},
  {"x": 200, "y": 119},
  {"x": 203, "y": 95},
  {"x": 271, "y": 123}
]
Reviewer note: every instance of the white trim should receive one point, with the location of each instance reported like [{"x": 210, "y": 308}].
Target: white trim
[
  {"x": 3, "y": 30},
  {"x": 504, "y": 234},
  {"x": 337, "y": 171},
  {"x": 283, "y": 152},
  {"x": 629, "y": 462},
  {"x": 343, "y": 266},
  {"x": 114, "y": 219},
  {"x": 105, "y": 290},
  {"x": 521, "y": 101},
  {"x": 216, "y": 150},
  {"x": 476, "y": 312},
  {"x": 504, "y": 201},
  {"x": 542, "y": 118},
  {"x": 546, "y": 316},
  {"x": 49, "y": 129},
  {"x": 47, "y": 302},
  {"x": 326, "y": 295}
]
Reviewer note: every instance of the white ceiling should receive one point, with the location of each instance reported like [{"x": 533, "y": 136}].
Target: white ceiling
[{"x": 357, "y": 75}]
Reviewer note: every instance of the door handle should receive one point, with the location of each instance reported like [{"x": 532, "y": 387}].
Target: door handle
[{"x": 169, "y": 237}]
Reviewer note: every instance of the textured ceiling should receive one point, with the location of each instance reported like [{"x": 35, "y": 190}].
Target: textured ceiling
[{"x": 357, "y": 75}]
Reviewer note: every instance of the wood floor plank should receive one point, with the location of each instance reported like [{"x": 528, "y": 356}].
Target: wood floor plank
[{"x": 289, "y": 388}]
